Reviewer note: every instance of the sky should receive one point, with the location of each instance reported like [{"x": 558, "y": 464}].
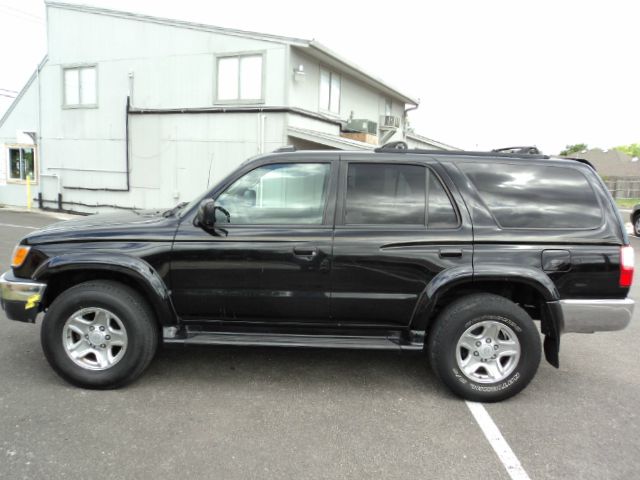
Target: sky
[{"x": 488, "y": 73}]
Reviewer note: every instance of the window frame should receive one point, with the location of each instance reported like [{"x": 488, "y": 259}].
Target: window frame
[
  {"x": 331, "y": 74},
  {"x": 329, "y": 206},
  {"x": 239, "y": 55},
  {"x": 21, "y": 146},
  {"x": 77, "y": 66},
  {"x": 341, "y": 209}
]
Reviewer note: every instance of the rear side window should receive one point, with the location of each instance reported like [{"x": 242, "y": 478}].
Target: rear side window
[
  {"x": 536, "y": 196},
  {"x": 391, "y": 194}
]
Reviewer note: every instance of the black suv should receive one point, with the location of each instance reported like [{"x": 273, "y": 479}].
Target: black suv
[{"x": 454, "y": 253}]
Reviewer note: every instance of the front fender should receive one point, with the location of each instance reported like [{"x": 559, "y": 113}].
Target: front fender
[{"x": 136, "y": 269}]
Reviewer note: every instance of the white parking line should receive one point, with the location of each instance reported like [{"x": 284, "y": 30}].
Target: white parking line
[
  {"x": 497, "y": 441},
  {"x": 18, "y": 226}
]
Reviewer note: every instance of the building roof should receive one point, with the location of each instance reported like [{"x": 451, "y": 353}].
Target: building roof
[
  {"x": 23, "y": 90},
  {"x": 328, "y": 139},
  {"x": 312, "y": 47},
  {"x": 610, "y": 163},
  {"x": 429, "y": 141}
]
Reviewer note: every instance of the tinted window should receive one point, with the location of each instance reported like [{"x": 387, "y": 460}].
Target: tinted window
[
  {"x": 287, "y": 193},
  {"x": 385, "y": 194},
  {"x": 441, "y": 212},
  {"x": 536, "y": 196}
]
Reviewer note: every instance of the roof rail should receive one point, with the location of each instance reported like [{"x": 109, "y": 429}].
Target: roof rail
[
  {"x": 392, "y": 147},
  {"x": 286, "y": 148},
  {"x": 530, "y": 150}
]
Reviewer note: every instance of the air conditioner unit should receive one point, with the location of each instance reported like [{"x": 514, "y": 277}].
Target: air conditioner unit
[
  {"x": 362, "y": 125},
  {"x": 389, "y": 121}
]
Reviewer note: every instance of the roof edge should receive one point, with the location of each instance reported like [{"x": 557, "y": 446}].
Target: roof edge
[
  {"x": 23, "y": 90},
  {"x": 422, "y": 138},
  {"x": 175, "y": 23},
  {"x": 314, "y": 44}
]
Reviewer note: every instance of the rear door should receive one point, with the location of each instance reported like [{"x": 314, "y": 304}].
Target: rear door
[{"x": 398, "y": 224}]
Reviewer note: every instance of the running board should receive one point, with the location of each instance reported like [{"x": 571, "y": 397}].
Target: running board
[{"x": 292, "y": 340}]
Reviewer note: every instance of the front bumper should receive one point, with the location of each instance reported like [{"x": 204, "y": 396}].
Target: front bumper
[
  {"x": 20, "y": 298},
  {"x": 589, "y": 316}
]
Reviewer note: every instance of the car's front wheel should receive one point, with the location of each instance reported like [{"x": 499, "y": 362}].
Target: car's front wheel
[
  {"x": 99, "y": 334},
  {"x": 484, "y": 347}
]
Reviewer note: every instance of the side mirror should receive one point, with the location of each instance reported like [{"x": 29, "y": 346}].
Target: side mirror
[{"x": 206, "y": 215}]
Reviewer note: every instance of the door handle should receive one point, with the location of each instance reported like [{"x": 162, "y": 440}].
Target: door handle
[
  {"x": 450, "y": 252},
  {"x": 305, "y": 251}
]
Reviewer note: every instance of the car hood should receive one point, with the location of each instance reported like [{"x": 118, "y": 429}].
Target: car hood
[{"x": 129, "y": 225}]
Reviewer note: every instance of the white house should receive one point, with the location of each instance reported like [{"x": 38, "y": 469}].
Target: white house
[{"x": 134, "y": 111}]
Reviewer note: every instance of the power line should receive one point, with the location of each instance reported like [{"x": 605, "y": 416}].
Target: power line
[
  {"x": 8, "y": 90},
  {"x": 20, "y": 15},
  {"x": 8, "y": 96}
]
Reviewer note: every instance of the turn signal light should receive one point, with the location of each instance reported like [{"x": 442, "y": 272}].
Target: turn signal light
[
  {"x": 626, "y": 265},
  {"x": 19, "y": 255}
]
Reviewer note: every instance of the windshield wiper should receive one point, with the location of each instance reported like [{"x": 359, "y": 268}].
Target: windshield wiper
[{"x": 174, "y": 210}]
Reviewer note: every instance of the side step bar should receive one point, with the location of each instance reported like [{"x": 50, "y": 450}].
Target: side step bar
[{"x": 292, "y": 340}]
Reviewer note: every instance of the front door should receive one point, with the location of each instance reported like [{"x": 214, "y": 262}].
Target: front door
[
  {"x": 397, "y": 227},
  {"x": 270, "y": 259}
]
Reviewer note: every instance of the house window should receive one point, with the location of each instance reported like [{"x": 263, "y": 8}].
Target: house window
[
  {"x": 240, "y": 78},
  {"x": 329, "y": 91},
  {"x": 388, "y": 107},
  {"x": 80, "y": 87},
  {"x": 21, "y": 163}
]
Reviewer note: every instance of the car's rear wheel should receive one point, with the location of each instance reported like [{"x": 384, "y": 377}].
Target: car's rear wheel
[
  {"x": 484, "y": 348},
  {"x": 636, "y": 225},
  {"x": 99, "y": 334}
]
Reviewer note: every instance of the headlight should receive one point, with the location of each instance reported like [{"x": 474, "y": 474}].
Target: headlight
[{"x": 19, "y": 255}]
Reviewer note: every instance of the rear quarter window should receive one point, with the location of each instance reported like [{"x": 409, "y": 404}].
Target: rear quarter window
[{"x": 536, "y": 196}]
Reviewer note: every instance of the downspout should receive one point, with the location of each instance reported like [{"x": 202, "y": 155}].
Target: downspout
[
  {"x": 406, "y": 120},
  {"x": 127, "y": 188}
]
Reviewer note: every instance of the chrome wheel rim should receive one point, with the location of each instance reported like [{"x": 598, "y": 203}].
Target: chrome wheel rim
[
  {"x": 94, "y": 338},
  {"x": 637, "y": 226},
  {"x": 488, "y": 352}
]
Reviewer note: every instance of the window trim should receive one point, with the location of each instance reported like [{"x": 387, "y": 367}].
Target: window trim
[
  {"x": 341, "y": 199},
  {"x": 239, "y": 101},
  {"x": 77, "y": 66},
  {"x": 331, "y": 72},
  {"x": 328, "y": 210},
  {"x": 18, "y": 181}
]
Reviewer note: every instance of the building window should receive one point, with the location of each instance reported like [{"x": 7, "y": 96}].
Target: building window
[
  {"x": 388, "y": 107},
  {"x": 329, "y": 91},
  {"x": 240, "y": 78},
  {"x": 21, "y": 163},
  {"x": 80, "y": 87}
]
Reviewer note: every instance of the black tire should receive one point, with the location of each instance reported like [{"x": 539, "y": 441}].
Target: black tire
[
  {"x": 461, "y": 315},
  {"x": 133, "y": 312}
]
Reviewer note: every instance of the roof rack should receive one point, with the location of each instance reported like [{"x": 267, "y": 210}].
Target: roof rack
[
  {"x": 529, "y": 150},
  {"x": 286, "y": 148},
  {"x": 510, "y": 152}
]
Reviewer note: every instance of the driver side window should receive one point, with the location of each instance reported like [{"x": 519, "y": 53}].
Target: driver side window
[{"x": 277, "y": 194}]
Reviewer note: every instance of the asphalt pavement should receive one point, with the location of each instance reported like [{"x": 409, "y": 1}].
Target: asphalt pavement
[{"x": 239, "y": 413}]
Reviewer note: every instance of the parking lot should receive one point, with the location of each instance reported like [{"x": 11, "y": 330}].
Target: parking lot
[{"x": 237, "y": 413}]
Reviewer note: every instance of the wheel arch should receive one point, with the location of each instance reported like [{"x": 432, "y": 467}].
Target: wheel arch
[
  {"x": 530, "y": 288},
  {"x": 64, "y": 271}
]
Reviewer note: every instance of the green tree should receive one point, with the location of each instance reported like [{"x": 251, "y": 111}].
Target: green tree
[
  {"x": 633, "y": 149},
  {"x": 571, "y": 149}
]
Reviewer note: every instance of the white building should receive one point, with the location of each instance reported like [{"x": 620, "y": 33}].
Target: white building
[{"x": 134, "y": 111}]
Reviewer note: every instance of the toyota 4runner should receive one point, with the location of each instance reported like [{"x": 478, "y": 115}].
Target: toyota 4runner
[{"x": 459, "y": 254}]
